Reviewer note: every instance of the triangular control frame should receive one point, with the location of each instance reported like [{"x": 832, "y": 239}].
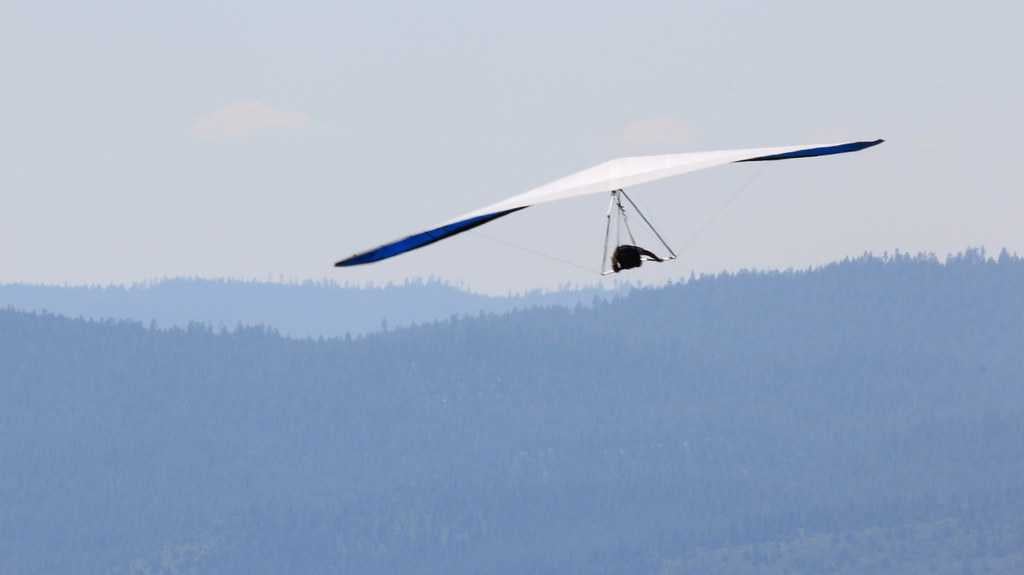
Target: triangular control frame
[{"x": 616, "y": 206}]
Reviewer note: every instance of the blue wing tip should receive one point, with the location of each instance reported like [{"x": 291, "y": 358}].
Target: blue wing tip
[
  {"x": 358, "y": 259},
  {"x": 421, "y": 239},
  {"x": 822, "y": 151}
]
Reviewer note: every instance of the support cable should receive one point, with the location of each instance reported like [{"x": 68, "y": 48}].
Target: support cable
[
  {"x": 648, "y": 222},
  {"x": 691, "y": 241}
]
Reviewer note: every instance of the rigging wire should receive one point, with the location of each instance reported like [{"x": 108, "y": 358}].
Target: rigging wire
[
  {"x": 535, "y": 252},
  {"x": 691, "y": 241},
  {"x": 625, "y": 221}
]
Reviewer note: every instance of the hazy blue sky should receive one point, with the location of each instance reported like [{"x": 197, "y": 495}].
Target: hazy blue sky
[{"x": 264, "y": 139}]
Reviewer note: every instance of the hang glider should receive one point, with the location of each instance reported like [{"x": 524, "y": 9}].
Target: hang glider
[{"x": 611, "y": 176}]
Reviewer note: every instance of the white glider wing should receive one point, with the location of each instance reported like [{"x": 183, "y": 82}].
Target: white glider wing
[{"x": 602, "y": 178}]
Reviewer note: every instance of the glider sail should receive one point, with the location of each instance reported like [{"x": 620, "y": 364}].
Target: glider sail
[{"x": 602, "y": 178}]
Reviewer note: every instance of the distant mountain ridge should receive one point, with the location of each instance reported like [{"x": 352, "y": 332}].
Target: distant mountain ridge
[
  {"x": 863, "y": 417},
  {"x": 307, "y": 309}
]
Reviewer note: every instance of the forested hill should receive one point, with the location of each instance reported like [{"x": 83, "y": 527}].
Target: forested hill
[
  {"x": 866, "y": 417},
  {"x": 306, "y": 309}
]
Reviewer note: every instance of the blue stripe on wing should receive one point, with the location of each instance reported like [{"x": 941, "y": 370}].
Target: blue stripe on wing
[
  {"x": 812, "y": 152},
  {"x": 421, "y": 239}
]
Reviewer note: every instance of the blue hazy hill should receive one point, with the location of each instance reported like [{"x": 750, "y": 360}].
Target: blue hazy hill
[
  {"x": 864, "y": 417},
  {"x": 307, "y": 309}
]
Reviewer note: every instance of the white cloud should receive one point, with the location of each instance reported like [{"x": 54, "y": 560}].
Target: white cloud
[
  {"x": 242, "y": 120},
  {"x": 657, "y": 135}
]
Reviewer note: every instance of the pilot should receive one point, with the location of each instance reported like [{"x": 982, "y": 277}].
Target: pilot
[{"x": 628, "y": 257}]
